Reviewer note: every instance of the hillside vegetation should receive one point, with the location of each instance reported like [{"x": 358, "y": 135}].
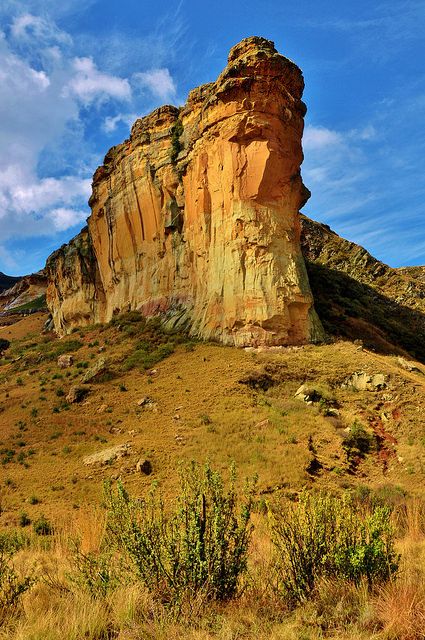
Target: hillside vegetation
[{"x": 150, "y": 402}]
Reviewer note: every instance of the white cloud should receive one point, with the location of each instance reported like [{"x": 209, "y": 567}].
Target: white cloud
[
  {"x": 64, "y": 218},
  {"x": 57, "y": 93},
  {"x": 159, "y": 82},
  {"x": 27, "y": 27},
  {"x": 111, "y": 122},
  {"x": 48, "y": 192},
  {"x": 320, "y": 137},
  {"x": 89, "y": 84}
]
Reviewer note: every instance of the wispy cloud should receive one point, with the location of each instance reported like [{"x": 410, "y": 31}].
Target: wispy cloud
[
  {"x": 158, "y": 81},
  {"x": 88, "y": 84}
]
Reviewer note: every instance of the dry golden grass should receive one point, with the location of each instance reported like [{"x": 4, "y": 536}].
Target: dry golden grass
[
  {"x": 55, "y": 609},
  {"x": 202, "y": 411}
]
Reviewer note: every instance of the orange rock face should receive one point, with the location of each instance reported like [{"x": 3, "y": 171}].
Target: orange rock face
[{"x": 196, "y": 215}]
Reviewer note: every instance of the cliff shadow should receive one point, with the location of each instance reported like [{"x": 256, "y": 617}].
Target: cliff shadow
[{"x": 353, "y": 310}]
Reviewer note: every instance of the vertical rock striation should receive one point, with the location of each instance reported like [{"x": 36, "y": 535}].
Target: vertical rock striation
[{"x": 195, "y": 216}]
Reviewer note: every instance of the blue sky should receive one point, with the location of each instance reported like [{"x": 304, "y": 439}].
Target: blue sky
[{"x": 74, "y": 75}]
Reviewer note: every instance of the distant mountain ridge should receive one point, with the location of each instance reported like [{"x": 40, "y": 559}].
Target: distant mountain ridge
[
  {"x": 358, "y": 297},
  {"x": 7, "y": 281},
  {"x": 24, "y": 294}
]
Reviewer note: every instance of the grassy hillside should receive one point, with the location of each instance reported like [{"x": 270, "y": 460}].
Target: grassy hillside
[{"x": 169, "y": 400}]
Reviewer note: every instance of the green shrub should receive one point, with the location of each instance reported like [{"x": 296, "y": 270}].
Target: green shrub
[
  {"x": 147, "y": 357},
  {"x": 42, "y": 527},
  {"x": 11, "y": 586},
  {"x": 325, "y": 536},
  {"x": 4, "y": 344},
  {"x": 176, "y": 145},
  {"x": 201, "y": 546},
  {"x": 358, "y": 442},
  {"x": 24, "y": 520},
  {"x": 96, "y": 573}
]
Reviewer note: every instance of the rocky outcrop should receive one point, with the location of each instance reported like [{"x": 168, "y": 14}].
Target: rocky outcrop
[
  {"x": 6, "y": 282},
  {"x": 195, "y": 216},
  {"x": 28, "y": 293},
  {"x": 74, "y": 294}
]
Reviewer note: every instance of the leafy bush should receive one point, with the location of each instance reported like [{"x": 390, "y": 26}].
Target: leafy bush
[
  {"x": 42, "y": 527},
  {"x": 11, "y": 586},
  {"x": 357, "y": 442},
  {"x": 176, "y": 145},
  {"x": 4, "y": 344},
  {"x": 201, "y": 546},
  {"x": 324, "y": 536},
  {"x": 94, "y": 572}
]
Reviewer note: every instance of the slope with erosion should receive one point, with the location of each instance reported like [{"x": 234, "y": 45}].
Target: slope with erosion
[{"x": 7, "y": 281}]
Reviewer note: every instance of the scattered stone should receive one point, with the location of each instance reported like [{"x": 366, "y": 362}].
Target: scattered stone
[
  {"x": 144, "y": 466},
  {"x": 107, "y": 456},
  {"x": 152, "y": 372},
  {"x": 101, "y": 349},
  {"x": 145, "y": 401},
  {"x": 409, "y": 366},
  {"x": 361, "y": 381},
  {"x": 308, "y": 393},
  {"x": 176, "y": 417},
  {"x": 331, "y": 412},
  {"x": 96, "y": 371},
  {"x": 65, "y": 361},
  {"x": 115, "y": 430},
  {"x": 76, "y": 394},
  {"x": 102, "y": 408},
  {"x": 263, "y": 424},
  {"x": 132, "y": 432}
]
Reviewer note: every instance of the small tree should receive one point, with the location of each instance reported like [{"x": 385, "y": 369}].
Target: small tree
[
  {"x": 201, "y": 545},
  {"x": 326, "y": 536},
  {"x": 11, "y": 586}
]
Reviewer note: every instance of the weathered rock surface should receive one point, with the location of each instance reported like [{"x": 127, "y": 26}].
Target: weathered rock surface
[
  {"x": 65, "y": 360},
  {"x": 195, "y": 216},
  {"x": 144, "y": 466},
  {"x": 107, "y": 456},
  {"x": 77, "y": 394},
  {"x": 96, "y": 371},
  {"x": 25, "y": 290},
  {"x": 361, "y": 381}
]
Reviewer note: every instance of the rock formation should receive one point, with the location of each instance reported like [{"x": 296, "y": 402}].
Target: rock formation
[
  {"x": 26, "y": 292},
  {"x": 195, "y": 216}
]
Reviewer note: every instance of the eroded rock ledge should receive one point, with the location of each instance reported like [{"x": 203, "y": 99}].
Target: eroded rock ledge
[{"x": 195, "y": 216}]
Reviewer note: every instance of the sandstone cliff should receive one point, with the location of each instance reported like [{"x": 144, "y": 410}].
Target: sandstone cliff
[{"x": 195, "y": 216}]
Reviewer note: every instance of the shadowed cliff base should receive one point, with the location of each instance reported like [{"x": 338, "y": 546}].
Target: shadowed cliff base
[
  {"x": 353, "y": 310},
  {"x": 360, "y": 298}
]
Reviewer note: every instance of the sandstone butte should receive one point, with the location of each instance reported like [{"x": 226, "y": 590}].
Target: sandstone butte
[{"x": 195, "y": 216}]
